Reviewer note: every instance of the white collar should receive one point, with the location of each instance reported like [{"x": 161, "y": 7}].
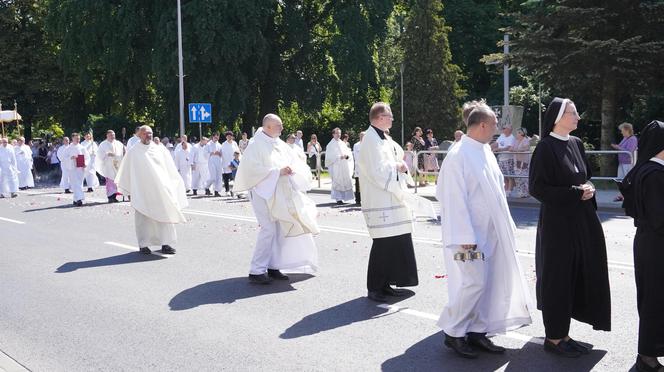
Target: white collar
[
  {"x": 474, "y": 143},
  {"x": 657, "y": 160},
  {"x": 558, "y": 136}
]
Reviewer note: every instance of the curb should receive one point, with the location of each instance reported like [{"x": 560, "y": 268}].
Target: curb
[{"x": 520, "y": 203}]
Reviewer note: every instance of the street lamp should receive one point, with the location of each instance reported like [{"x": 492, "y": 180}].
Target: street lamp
[
  {"x": 180, "y": 70},
  {"x": 402, "y": 124}
]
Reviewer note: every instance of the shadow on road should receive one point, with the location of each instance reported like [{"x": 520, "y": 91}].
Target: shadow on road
[
  {"x": 227, "y": 291},
  {"x": 430, "y": 355},
  {"x": 126, "y": 258},
  {"x": 347, "y": 313},
  {"x": 64, "y": 206}
]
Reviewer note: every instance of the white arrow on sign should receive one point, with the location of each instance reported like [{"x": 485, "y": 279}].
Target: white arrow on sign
[
  {"x": 204, "y": 114},
  {"x": 193, "y": 113}
]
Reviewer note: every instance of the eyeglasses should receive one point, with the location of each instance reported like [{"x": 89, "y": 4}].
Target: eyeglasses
[{"x": 389, "y": 116}]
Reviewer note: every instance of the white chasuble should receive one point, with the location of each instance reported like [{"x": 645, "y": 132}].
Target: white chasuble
[
  {"x": 340, "y": 168},
  {"x": 108, "y": 159}
]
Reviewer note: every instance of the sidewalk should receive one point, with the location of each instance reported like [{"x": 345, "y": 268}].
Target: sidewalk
[{"x": 605, "y": 201}]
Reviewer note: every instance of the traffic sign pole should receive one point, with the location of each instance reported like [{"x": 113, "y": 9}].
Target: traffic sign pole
[{"x": 200, "y": 131}]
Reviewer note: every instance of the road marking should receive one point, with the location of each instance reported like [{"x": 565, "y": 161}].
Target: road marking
[
  {"x": 9, "y": 364},
  {"x": 618, "y": 265},
  {"x": 133, "y": 248},
  {"x": 12, "y": 221},
  {"x": 423, "y": 315}
]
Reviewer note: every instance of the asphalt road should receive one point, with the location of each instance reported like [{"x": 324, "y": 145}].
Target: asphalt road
[{"x": 76, "y": 296}]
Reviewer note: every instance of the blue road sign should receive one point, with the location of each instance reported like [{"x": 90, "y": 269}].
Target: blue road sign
[{"x": 200, "y": 113}]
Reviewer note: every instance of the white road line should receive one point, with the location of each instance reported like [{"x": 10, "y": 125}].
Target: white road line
[
  {"x": 423, "y": 315},
  {"x": 133, "y": 248},
  {"x": 12, "y": 221},
  {"x": 9, "y": 364},
  {"x": 618, "y": 265}
]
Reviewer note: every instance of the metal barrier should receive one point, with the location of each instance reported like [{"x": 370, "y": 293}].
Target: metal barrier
[{"x": 419, "y": 172}]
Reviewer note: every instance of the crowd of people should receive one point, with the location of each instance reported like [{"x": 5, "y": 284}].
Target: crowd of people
[{"x": 487, "y": 292}]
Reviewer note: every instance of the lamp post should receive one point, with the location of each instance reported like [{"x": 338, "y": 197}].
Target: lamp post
[
  {"x": 180, "y": 70},
  {"x": 402, "y": 123}
]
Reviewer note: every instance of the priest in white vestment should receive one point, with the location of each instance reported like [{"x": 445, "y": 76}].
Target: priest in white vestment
[
  {"x": 487, "y": 295},
  {"x": 8, "y": 170},
  {"x": 91, "y": 172},
  {"x": 64, "y": 174},
  {"x": 213, "y": 151},
  {"x": 76, "y": 159},
  {"x": 109, "y": 156},
  {"x": 24, "y": 164},
  {"x": 200, "y": 173},
  {"x": 386, "y": 209},
  {"x": 356, "y": 173},
  {"x": 339, "y": 162},
  {"x": 149, "y": 176},
  {"x": 134, "y": 139},
  {"x": 184, "y": 161},
  {"x": 277, "y": 179}
]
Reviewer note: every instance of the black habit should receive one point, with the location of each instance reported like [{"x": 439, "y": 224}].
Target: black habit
[
  {"x": 649, "y": 256},
  {"x": 392, "y": 259},
  {"x": 570, "y": 257}
]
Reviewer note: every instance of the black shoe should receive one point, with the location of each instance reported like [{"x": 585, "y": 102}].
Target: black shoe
[
  {"x": 187, "y": 192},
  {"x": 259, "y": 279},
  {"x": 79, "y": 203},
  {"x": 395, "y": 292},
  {"x": 339, "y": 202},
  {"x": 112, "y": 199},
  {"x": 145, "y": 250},
  {"x": 195, "y": 192},
  {"x": 642, "y": 366},
  {"x": 217, "y": 194},
  {"x": 90, "y": 189},
  {"x": 232, "y": 194},
  {"x": 276, "y": 274},
  {"x": 167, "y": 249},
  {"x": 460, "y": 346},
  {"x": 578, "y": 346},
  {"x": 67, "y": 191},
  {"x": 207, "y": 192},
  {"x": 480, "y": 341},
  {"x": 13, "y": 195},
  {"x": 377, "y": 296},
  {"x": 563, "y": 348}
]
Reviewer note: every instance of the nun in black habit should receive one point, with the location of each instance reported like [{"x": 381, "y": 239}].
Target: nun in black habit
[
  {"x": 570, "y": 255},
  {"x": 644, "y": 187}
]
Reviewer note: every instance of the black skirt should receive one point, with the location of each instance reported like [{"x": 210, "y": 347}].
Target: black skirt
[{"x": 392, "y": 262}]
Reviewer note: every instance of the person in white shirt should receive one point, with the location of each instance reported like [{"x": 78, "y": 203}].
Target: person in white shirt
[
  {"x": 228, "y": 148},
  {"x": 504, "y": 143},
  {"x": 91, "y": 172},
  {"x": 201, "y": 173},
  {"x": 24, "y": 163},
  {"x": 76, "y": 159},
  {"x": 109, "y": 156},
  {"x": 213, "y": 150},
  {"x": 64, "y": 177},
  {"x": 487, "y": 290},
  {"x": 184, "y": 162}
]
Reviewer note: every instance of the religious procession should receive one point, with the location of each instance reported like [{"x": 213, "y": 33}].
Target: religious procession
[{"x": 324, "y": 186}]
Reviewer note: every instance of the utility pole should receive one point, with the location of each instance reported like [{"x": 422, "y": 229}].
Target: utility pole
[
  {"x": 506, "y": 79},
  {"x": 180, "y": 70}
]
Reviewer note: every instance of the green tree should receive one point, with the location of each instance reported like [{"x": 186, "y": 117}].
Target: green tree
[
  {"x": 601, "y": 53},
  {"x": 431, "y": 89}
]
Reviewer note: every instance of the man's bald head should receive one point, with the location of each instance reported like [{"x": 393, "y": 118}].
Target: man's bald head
[
  {"x": 272, "y": 125},
  {"x": 145, "y": 134}
]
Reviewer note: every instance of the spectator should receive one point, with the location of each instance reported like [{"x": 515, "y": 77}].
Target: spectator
[
  {"x": 243, "y": 143},
  {"x": 419, "y": 145},
  {"x": 521, "y": 163},
  {"x": 313, "y": 151},
  {"x": 504, "y": 143},
  {"x": 298, "y": 140},
  {"x": 431, "y": 160},
  {"x": 291, "y": 140},
  {"x": 628, "y": 143},
  {"x": 409, "y": 157}
]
